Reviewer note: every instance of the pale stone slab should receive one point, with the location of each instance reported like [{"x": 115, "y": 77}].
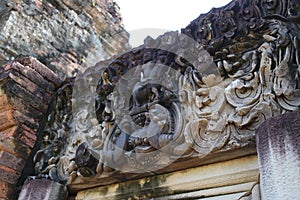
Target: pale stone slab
[
  {"x": 234, "y": 178},
  {"x": 220, "y": 191}
]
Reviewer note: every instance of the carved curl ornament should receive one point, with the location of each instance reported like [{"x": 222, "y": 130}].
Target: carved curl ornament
[{"x": 174, "y": 98}]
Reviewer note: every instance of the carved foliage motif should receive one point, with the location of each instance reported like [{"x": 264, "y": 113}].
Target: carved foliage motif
[
  {"x": 170, "y": 98},
  {"x": 50, "y": 161}
]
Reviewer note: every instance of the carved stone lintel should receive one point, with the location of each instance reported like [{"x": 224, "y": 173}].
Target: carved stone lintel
[{"x": 179, "y": 97}]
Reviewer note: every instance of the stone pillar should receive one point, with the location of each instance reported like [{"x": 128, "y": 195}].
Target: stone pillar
[
  {"x": 42, "y": 189},
  {"x": 278, "y": 145},
  {"x": 26, "y": 90}
]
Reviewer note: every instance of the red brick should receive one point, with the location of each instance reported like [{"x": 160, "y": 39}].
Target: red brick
[
  {"x": 4, "y": 103},
  {"x": 6, "y": 190},
  {"x": 41, "y": 69},
  {"x": 27, "y": 87},
  {"x": 23, "y": 107},
  {"x": 28, "y": 136},
  {"x": 28, "y": 121},
  {"x": 31, "y": 86},
  {"x": 11, "y": 161},
  {"x": 28, "y": 130},
  {"x": 15, "y": 147},
  {"x": 6, "y": 120},
  {"x": 10, "y": 132},
  {"x": 4, "y": 75},
  {"x": 9, "y": 175},
  {"x": 32, "y": 75},
  {"x": 15, "y": 90},
  {"x": 28, "y": 141}
]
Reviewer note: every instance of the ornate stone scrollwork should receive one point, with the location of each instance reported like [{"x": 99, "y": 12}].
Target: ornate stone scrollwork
[
  {"x": 145, "y": 122},
  {"x": 178, "y": 97}
]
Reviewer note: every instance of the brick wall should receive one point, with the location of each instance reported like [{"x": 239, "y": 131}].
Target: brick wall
[{"x": 26, "y": 90}]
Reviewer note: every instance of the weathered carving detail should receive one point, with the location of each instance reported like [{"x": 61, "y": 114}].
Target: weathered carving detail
[
  {"x": 170, "y": 99},
  {"x": 50, "y": 161}
]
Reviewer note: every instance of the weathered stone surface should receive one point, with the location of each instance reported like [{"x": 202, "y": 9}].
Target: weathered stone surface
[
  {"x": 67, "y": 35},
  {"x": 177, "y": 100},
  {"x": 225, "y": 180},
  {"x": 4, "y": 104},
  {"x": 42, "y": 189},
  {"x": 9, "y": 133},
  {"x": 251, "y": 73},
  {"x": 278, "y": 149}
]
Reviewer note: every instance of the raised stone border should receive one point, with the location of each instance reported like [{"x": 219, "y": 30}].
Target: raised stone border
[{"x": 232, "y": 179}]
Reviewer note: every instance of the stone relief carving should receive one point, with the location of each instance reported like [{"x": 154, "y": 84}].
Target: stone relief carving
[
  {"x": 174, "y": 98},
  {"x": 50, "y": 160}
]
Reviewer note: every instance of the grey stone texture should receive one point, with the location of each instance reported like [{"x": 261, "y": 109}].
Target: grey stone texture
[
  {"x": 278, "y": 148},
  {"x": 66, "y": 35},
  {"x": 42, "y": 189}
]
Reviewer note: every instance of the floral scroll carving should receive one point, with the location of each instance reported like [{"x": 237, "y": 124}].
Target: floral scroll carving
[{"x": 182, "y": 95}]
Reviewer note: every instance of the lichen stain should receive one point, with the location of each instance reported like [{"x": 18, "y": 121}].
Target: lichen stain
[{"x": 143, "y": 189}]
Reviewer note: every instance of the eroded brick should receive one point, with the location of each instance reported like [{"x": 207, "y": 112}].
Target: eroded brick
[
  {"x": 41, "y": 69},
  {"x": 32, "y": 75},
  {"x": 6, "y": 191},
  {"x": 9, "y": 175},
  {"x": 11, "y": 161},
  {"x": 15, "y": 146},
  {"x": 10, "y": 132},
  {"x": 7, "y": 120}
]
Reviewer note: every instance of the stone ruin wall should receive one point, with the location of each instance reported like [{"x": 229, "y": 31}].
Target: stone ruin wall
[
  {"x": 64, "y": 34},
  {"x": 228, "y": 72},
  {"x": 65, "y": 37}
]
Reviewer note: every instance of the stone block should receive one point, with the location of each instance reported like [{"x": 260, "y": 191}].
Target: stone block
[
  {"x": 29, "y": 120},
  {"x": 42, "y": 189},
  {"x": 27, "y": 135},
  {"x": 65, "y": 34},
  {"x": 231, "y": 179},
  {"x": 28, "y": 141},
  {"x": 278, "y": 149}
]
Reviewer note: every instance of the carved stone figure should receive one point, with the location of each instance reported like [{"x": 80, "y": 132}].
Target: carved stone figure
[{"x": 184, "y": 95}]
